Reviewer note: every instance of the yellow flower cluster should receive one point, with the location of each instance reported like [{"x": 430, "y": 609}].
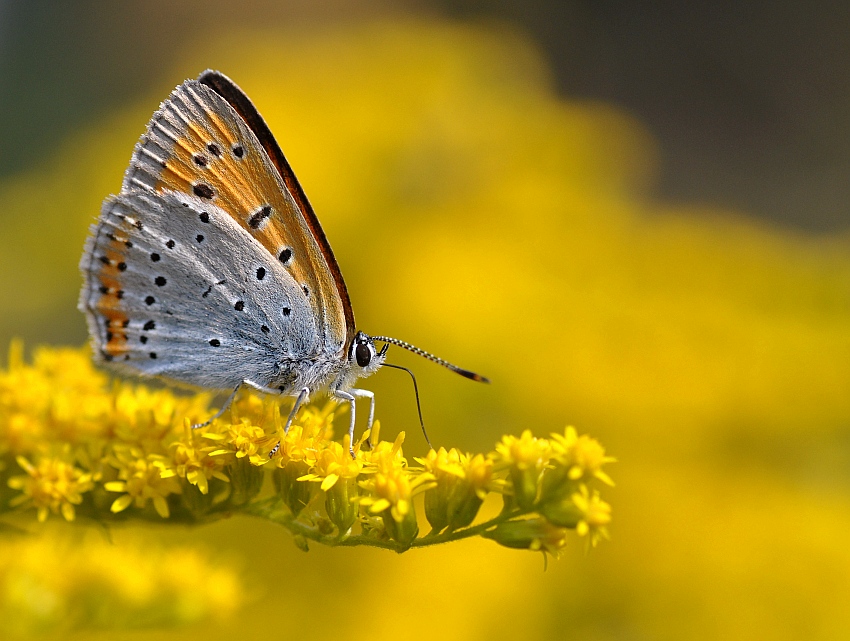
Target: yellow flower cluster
[
  {"x": 72, "y": 443},
  {"x": 105, "y": 585}
]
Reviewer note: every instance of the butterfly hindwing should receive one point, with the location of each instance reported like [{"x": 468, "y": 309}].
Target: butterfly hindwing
[{"x": 186, "y": 286}]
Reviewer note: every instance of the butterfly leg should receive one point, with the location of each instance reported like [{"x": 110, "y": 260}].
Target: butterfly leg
[
  {"x": 223, "y": 408},
  {"x": 301, "y": 398},
  {"x": 348, "y": 398},
  {"x": 364, "y": 393}
]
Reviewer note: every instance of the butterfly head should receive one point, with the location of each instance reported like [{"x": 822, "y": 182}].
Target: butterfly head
[{"x": 363, "y": 357}]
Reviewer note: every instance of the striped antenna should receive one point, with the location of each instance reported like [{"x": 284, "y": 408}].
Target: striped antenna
[{"x": 436, "y": 359}]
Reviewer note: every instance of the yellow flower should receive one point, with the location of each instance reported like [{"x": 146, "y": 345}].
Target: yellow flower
[
  {"x": 525, "y": 457},
  {"x": 461, "y": 483},
  {"x": 332, "y": 463},
  {"x": 149, "y": 417},
  {"x": 582, "y": 456},
  {"x": 595, "y": 515},
  {"x": 143, "y": 478},
  {"x": 391, "y": 488},
  {"x": 337, "y": 472},
  {"x": 133, "y": 583},
  {"x": 523, "y": 453},
  {"x": 73, "y": 432},
  {"x": 243, "y": 440},
  {"x": 317, "y": 422},
  {"x": 52, "y": 485},
  {"x": 311, "y": 430},
  {"x": 195, "y": 464},
  {"x": 59, "y": 396}
]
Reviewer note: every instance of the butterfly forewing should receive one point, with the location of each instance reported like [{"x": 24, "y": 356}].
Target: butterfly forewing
[{"x": 197, "y": 144}]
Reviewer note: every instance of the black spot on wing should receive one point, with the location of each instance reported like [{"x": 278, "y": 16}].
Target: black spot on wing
[
  {"x": 203, "y": 190},
  {"x": 259, "y": 217}
]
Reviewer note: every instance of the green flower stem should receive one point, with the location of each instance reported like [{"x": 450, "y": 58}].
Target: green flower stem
[{"x": 272, "y": 509}]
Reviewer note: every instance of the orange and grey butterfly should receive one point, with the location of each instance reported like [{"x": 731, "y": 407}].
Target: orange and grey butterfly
[{"x": 210, "y": 268}]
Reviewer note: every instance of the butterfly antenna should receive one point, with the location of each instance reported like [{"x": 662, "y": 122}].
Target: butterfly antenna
[
  {"x": 418, "y": 406},
  {"x": 436, "y": 359}
]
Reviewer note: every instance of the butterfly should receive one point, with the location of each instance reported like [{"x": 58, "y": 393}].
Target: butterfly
[{"x": 210, "y": 268}]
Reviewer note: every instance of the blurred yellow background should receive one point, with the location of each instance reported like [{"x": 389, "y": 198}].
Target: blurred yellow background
[{"x": 477, "y": 214}]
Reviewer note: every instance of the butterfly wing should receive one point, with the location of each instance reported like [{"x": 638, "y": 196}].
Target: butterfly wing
[
  {"x": 176, "y": 288},
  {"x": 240, "y": 102},
  {"x": 201, "y": 164}
]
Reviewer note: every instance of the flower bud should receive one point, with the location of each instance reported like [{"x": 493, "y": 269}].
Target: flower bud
[
  {"x": 339, "y": 506},
  {"x": 246, "y": 480},
  {"x": 401, "y": 528},
  {"x": 535, "y": 534},
  {"x": 295, "y": 494}
]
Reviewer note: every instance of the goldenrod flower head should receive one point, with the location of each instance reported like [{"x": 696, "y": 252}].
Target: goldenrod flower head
[
  {"x": 383, "y": 453},
  {"x": 135, "y": 584},
  {"x": 595, "y": 515},
  {"x": 60, "y": 393},
  {"x": 311, "y": 430},
  {"x": 317, "y": 422},
  {"x": 525, "y": 457},
  {"x": 462, "y": 481},
  {"x": 195, "y": 464},
  {"x": 583, "y": 456},
  {"x": 442, "y": 463},
  {"x": 296, "y": 445},
  {"x": 479, "y": 472},
  {"x": 74, "y": 435},
  {"x": 392, "y": 485},
  {"x": 476, "y": 471},
  {"x": 246, "y": 440},
  {"x": 51, "y": 485},
  {"x": 333, "y": 462},
  {"x": 523, "y": 453},
  {"x": 143, "y": 478}
]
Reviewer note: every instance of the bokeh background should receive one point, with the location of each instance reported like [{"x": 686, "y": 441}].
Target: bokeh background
[{"x": 633, "y": 219}]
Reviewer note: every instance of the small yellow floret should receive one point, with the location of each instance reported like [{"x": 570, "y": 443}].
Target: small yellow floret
[
  {"x": 595, "y": 516},
  {"x": 51, "y": 485},
  {"x": 582, "y": 455}
]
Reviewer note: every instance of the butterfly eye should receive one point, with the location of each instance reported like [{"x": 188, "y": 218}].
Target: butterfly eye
[{"x": 363, "y": 354}]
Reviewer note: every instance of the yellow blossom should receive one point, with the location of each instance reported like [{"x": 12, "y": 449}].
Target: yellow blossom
[
  {"x": 142, "y": 479},
  {"x": 332, "y": 463},
  {"x": 526, "y": 458},
  {"x": 49, "y": 581},
  {"x": 595, "y": 516},
  {"x": 391, "y": 484},
  {"x": 243, "y": 440},
  {"x": 76, "y": 435},
  {"x": 52, "y": 485},
  {"x": 525, "y": 452},
  {"x": 583, "y": 456},
  {"x": 461, "y": 484},
  {"x": 195, "y": 464}
]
